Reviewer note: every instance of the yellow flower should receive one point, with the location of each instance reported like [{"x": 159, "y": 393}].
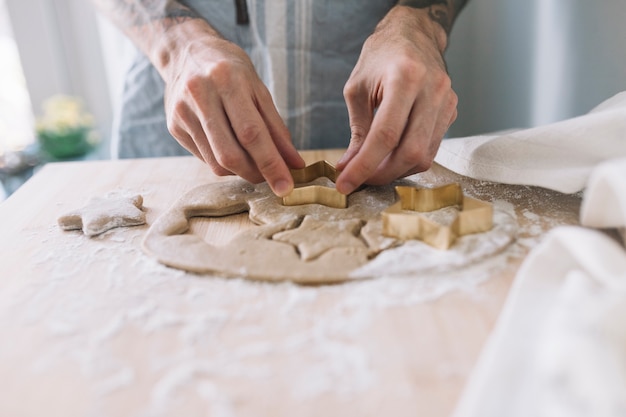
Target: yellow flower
[{"x": 64, "y": 113}]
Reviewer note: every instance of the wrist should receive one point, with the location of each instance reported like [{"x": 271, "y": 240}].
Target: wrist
[
  {"x": 174, "y": 42},
  {"x": 415, "y": 24}
]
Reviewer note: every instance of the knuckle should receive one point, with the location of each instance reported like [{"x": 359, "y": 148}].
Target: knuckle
[
  {"x": 270, "y": 165},
  {"x": 424, "y": 165},
  {"x": 218, "y": 170},
  {"x": 453, "y": 117},
  {"x": 453, "y": 101},
  {"x": 220, "y": 71},
  {"x": 413, "y": 155},
  {"x": 412, "y": 66},
  {"x": 416, "y": 168},
  {"x": 175, "y": 129},
  {"x": 181, "y": 134},
  {"x": 420, "y": 164},
  {"x": 194, "y": 85},
  {"x": 177, "y": 110},
  {"x": 250, "y": 135},
  {"x": 228, "y": 160},
  {"x": 418, "y": 157},
  {"x": 214, "y": 77},
  {"x": 411, "y": 71},
  {"x": 350, "y": 91},
  {"x": 388, "y": 137},
  {"x": 442, "y": 82},
  {"x": 357, "y": 134}
]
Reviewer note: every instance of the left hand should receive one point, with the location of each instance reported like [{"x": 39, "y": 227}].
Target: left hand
[{"x": 400, "y": 101}]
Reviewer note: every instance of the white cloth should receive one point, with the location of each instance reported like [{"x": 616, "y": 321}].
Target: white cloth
[
  {"x": 604, "y": 202},
  {"x": 559, "y": 347},
  {"x": 558, "y": 156}
]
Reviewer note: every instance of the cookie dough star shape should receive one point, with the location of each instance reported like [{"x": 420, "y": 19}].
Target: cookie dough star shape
[
  {"x": 314, "y": 237},
  {"x": 105, "y": 213}
]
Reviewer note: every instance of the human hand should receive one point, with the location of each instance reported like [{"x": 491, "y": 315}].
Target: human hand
[
  {"x": 219, "y": 110},
  {"x": 399, "y": 99}
]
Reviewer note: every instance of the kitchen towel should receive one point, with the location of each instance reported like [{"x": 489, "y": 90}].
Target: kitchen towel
[
  {"x": 558, "y": 156},
  {"x": 604, "y": 200},
  {"x": 559, "y": 346}
]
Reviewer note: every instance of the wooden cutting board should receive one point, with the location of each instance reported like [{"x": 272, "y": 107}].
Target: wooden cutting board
[{"x": 93, "y": 326}]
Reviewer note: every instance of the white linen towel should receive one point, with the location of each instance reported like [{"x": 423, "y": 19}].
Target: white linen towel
[
  {"x": 604, "y": 201},
  {"x": 559, "y": 347},
  {"x": 559, "y": 156}
]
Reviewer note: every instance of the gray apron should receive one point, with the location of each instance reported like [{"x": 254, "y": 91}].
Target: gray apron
[{"x": 303, "y": 50}]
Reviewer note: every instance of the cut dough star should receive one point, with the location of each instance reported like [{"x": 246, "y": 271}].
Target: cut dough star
[
  {"x": 314, "y": 237},
  {"x": 102, "y": 214}
]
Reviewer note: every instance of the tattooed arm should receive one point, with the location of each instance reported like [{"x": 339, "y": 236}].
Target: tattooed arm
[
  {"x": 399, "y": 95},
  {"x": 215, "y": 103},
  {"x": 443, "y": 12},
  {"x": 144, "y": 22}
]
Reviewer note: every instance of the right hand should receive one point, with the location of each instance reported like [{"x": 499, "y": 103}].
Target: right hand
[{"x": 218, "y": 108}]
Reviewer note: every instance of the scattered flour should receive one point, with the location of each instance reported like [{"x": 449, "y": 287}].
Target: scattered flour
[
  {"x": 179, "y": 321},
  {"x": 85, "y": 315}
]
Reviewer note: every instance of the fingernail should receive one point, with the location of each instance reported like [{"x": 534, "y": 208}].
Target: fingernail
[{"x": 282, "y": 188}]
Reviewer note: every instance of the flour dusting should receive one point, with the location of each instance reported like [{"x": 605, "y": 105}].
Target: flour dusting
[{"x": 202, "y": 342}]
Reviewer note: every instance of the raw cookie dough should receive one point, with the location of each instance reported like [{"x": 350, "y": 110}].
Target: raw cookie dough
[
  {"x": 306, "y": 237},
  {"x": 105, "y": 213},
  {"x": 308, "y": 244}
]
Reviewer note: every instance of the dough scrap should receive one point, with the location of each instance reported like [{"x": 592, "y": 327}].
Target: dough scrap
[
  {"x": 105, "y": 213},
  {"x": 308, "y": 244}
]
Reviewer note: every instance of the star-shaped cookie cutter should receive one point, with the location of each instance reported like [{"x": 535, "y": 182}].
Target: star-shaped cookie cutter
[
  {"x": 315, "y": 194},
  {"x": 403, "y": 220}
]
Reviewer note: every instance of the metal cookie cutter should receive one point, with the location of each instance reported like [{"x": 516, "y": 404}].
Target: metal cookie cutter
[
  {"x": 475, "y": 215},
  {"x": 313, "y": 194}
]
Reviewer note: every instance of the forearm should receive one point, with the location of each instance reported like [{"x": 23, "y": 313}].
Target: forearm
[{"x": 159, "y": 28}]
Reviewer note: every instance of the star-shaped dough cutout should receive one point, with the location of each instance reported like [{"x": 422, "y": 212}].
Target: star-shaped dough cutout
[
  {"x": 105, "y": 213},
  {"x": 314, "y": 237}
]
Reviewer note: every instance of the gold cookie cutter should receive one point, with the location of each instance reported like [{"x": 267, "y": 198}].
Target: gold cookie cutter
[
  {"x": 402, "y": 220},
  {"x": 315, "y": 194}
]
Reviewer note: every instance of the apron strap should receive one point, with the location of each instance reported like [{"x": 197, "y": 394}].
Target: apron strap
[{"x": 242, "y": 12}]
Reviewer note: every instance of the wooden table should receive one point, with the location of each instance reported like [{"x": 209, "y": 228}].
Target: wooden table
[{"x": 93, "y": 327}]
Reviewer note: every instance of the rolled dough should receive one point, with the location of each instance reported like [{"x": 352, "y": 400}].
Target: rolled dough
[{"x": 308, "y": 244}]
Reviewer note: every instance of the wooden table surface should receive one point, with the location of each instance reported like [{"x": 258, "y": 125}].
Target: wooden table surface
[{"x": 94, "y": 327}]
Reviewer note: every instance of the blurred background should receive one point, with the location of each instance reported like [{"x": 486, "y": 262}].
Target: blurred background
[
  {"x": 518, "y": 64},
  {"x": 513, "y": 64}
]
